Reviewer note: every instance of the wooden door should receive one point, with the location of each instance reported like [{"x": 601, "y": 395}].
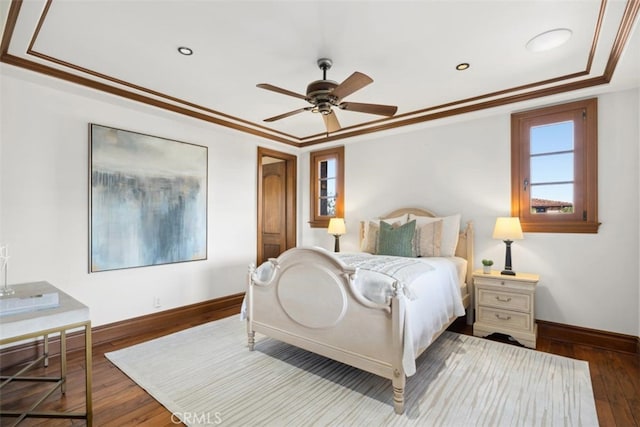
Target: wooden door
[
  {"x": 276, "y": 203},
  {"x": 274, "y": 214}
]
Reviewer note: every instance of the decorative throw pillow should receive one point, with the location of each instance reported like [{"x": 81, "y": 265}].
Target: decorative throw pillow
[
  {"x": 396, "y": 241},
  {"x": 372, "y": 231},
  {"x": 450, "y": 231},
  {"x": 428, "y": 239},
  {"x": 369, "y": 241}
]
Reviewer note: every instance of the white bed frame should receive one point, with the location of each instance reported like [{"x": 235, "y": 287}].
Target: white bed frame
[{"x": 339, "y": 323}]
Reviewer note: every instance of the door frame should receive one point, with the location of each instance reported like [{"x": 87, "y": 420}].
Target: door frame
[{"x": 290, "y": 197}]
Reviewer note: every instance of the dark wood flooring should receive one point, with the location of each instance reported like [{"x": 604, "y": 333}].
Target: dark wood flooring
[{"x": 118, "y": 401}]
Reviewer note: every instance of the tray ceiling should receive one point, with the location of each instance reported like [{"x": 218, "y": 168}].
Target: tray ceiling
[{"x": 409, "y": 48}]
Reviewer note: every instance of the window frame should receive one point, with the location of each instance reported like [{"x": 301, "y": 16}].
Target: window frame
[
  {"x": 585, "y": 216},
  {"x": 322, "y": 221}
]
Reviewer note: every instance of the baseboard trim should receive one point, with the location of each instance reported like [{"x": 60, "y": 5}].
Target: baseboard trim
[
  {"x": 577, "y": 335},
  {"x": 215, "y": 308},
  {"x": 230, "y": 305}
]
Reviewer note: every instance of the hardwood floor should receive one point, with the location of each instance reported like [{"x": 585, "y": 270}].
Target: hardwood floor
[{"x": 118, "y": 401}]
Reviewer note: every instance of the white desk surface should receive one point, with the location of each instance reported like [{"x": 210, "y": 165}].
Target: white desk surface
[{"x": 69, "y": 312}]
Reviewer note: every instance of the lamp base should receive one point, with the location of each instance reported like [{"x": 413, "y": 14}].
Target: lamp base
[
  {"x": 507, "y": 260},
  {"x": 336, "y": 246}
]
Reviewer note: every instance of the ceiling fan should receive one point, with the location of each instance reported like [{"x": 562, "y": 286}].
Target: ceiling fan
[{"x": 325, "y": 94}]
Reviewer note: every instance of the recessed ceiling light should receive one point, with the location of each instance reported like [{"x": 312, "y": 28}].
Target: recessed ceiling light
[
  {"x": 549, "y": 40},
  {"x": 185, "y": 50},
  {"x": 462, "y": 66}
]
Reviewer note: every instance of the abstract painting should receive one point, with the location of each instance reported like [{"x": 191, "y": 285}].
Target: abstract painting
[{"x": 148, "y": 200}]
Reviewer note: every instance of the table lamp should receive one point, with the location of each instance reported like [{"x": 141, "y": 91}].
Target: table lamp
[
  {"x": 508, "y": 229},
  {"x": 337, "y": 228}
]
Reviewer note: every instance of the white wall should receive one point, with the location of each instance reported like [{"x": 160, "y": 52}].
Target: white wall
[
  {"x": 587, "y": 280},
  {"x": 44, "y": 198}
]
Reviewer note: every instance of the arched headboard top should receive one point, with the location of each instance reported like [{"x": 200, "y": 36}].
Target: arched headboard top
[{"x": 408, "y": 211}]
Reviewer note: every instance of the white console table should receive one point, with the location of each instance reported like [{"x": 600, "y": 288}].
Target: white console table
[{"x": 70, "y": 314}]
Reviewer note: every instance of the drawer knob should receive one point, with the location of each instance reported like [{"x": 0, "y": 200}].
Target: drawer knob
[
  {"x": 502, "y": 318},
  {"x": 502, "y": 283},
  {"x": 503, "y": 299}
]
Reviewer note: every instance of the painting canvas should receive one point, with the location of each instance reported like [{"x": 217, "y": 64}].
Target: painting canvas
[{"x": 148, "y": 200}]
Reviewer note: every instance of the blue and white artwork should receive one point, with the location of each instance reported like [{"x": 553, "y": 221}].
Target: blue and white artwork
[{"x": 148, "y": 200}]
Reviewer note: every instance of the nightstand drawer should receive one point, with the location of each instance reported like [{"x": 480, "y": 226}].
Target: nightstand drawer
[
  {"x": 507, "y": 300},
  {"x": 499, "y": 281},
  {"x": 504, "y": 318}
]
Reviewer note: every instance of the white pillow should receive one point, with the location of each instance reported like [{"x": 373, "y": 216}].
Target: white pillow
[
  {"x": 450, "y": 231},
  {"x": 369, "y": 241}
]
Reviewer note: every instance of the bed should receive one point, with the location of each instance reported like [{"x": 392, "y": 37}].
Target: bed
[{"x": 317, "y": 300}]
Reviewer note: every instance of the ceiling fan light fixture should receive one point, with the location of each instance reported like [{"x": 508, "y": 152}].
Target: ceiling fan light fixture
[
  {"x": 549, "y": 40},
  {"x": 186, "y": 51},
  {"x": 324, "y": 108}
]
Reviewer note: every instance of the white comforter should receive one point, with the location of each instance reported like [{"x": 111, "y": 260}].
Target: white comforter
[{"x": 431, "y": 289}]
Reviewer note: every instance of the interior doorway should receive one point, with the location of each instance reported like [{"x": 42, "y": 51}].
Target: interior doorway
[{"x": 277, "y": 189}]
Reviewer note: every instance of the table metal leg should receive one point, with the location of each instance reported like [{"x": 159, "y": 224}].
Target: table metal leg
[
  {"x": 88, "y": 373},
  {"x": 63, "y": 361},
  {"x": 46, "y": 351}
]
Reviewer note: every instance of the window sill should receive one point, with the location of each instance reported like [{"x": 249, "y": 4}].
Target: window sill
[
  {"x": 560, "y": 227},
  {"x": 321, "y": 223}
]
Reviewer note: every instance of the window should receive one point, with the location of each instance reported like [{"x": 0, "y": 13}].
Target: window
[
  {"x": 327, "y": 186},
  {"x": 554, "y": 168}
]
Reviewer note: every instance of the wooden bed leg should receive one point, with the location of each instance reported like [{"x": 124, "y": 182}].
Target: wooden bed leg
[
  {"x": 252, "y": 340},
  {"x": 251, "y": 335},
  {"x": 398, "y": 382}
]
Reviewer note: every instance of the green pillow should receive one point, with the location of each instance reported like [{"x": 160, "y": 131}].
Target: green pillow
[{"x": 396, "y": 241}]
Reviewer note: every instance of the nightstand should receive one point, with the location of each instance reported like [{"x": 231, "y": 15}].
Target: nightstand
[{"x": 505, "y": 304}]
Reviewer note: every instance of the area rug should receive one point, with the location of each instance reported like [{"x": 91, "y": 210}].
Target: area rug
[{"x": 207, "y": 376}]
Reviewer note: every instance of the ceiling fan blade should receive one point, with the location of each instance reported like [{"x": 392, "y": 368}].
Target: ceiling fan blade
[
  {"x": 381, "y": 110},
  {"x": 290, "y": 113},
  {"x": 354, "y": 82},
  {"x": 273, "y": 88},
  {"x": 331, "y": 122}
]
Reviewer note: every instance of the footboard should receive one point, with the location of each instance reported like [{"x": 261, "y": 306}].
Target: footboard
[{"x": 309, "y": 299}]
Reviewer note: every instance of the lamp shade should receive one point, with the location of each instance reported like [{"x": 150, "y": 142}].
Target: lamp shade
[
  {"x": 508, "y": 228},
  {"x": 336, "y": 227}
]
